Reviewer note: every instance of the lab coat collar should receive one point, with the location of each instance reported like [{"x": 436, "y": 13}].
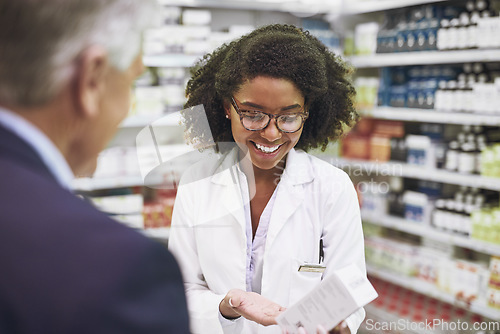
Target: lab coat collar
[
  {"x": 298, "y": 168},
  {"x": 290, "y": 196}
]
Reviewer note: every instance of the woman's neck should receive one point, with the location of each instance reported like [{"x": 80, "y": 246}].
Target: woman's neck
[{"x": 262, "y": 175}]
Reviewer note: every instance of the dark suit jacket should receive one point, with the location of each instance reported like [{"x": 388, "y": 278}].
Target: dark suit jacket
[{"x": 67, "y": 268}]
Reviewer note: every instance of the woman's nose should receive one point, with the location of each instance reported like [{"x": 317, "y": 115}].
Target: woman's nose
[{"x": 271, "y": 133}]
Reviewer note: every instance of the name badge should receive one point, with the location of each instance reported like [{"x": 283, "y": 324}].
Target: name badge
[{"x": 312, "y": 268}]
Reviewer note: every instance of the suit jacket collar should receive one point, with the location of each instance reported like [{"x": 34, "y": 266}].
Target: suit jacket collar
[{"x": 15, "y": 149}]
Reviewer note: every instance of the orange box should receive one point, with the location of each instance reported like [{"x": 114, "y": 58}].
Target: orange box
[
  {"x": 356, "y": 146},
  {"x": 380, "y": 148},
  {"x": 389, "y": 128}
]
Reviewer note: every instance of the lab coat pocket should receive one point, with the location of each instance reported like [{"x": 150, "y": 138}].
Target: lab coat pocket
[{"x": 303, "y": 281}]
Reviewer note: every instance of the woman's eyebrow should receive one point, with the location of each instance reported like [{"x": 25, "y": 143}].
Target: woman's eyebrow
[
  {"x": 253, "y": 105},
  {"x": 293, "y": 106}
]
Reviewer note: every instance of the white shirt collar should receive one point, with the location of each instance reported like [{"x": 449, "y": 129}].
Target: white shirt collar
[{"x": 48, "y": 152}]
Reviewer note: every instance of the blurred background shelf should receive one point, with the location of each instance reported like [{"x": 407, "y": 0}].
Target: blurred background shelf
[
  {"x": 170, "y": 60},
  {"x": 417, "y": 172},
  {"x": 414, "y": 228},
  {"x": 92, "y": 184},
  {"x": 432, "y": 116},
  {"x": 369, "y": 6},
  {"x": 161, "y": 233},
  {"x": 429, "y": 289},
  {"x": 135, "y": 121},
  {"x": 259, "y": 5},
  {"x": 425, "y": 58}
]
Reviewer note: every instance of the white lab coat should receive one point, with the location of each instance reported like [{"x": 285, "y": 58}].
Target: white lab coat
[{"x": 314, "y": 200}]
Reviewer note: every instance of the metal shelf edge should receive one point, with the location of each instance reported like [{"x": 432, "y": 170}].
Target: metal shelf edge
[{"x": 425, "y": 58}]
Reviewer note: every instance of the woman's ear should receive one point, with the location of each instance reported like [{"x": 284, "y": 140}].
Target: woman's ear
[{"x": 227, "y": 109}]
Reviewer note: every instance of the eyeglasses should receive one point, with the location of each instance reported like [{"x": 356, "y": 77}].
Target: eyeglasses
[{"x": 254, "y": 120}]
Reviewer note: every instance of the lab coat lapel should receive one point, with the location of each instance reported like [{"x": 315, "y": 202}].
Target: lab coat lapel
[
  {"x": 227, "y": 177},
  {"x": 290, "y": 194}
]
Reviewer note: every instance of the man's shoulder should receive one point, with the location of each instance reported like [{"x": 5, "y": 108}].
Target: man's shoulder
[{"x": 34, "y": 203}]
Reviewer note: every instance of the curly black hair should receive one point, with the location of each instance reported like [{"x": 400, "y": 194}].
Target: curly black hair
[{"x": 279, "y": 51}]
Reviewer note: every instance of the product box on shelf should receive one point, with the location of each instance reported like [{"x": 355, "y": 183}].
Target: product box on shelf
[
  {"x": 486, "y": 225},
  {"x": 470, "y": 281},
  {"x": 373, "y": 199},
  {"x": 158, "y": 207},
  {"x": 118, "y": 161},
  {"x": 397, "y": 306},
  {"x": 490, "y": 161},
  {"x": 395, "y": 256},
  {"x": 371, "y": 139},
  {"x": 493, "y": 293},
  {"x": 366, "y": 93},
  {"x": 323, "y": 31},
  {"x": 418, "y": 207},
  {"x": 365, "y": 38},
  {"x": 420, "y": 151},
  {"x": 415, "y": 86},
  {"x": 414, "y": 28},
  {"x": 126, "y": 209}
]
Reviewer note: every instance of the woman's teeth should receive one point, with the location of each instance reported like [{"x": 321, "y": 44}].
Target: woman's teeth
[{"x": 267, "y": 149}]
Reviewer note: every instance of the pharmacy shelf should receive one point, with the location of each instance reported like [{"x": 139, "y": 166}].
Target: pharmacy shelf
[
  {"x": 425, "y": 231},
  {"x": 431, "y": 290},
  {"x": 425, "y": 58},
  {"x": 138, "y": 121},
  {"x": 157, "y": 233},
  {"x": 260, "y": 5},
  {"x": 385, "y": 318},
  {"x": 432, "y": 116},
  {"x": 415, "y": 172},
  {"x": 91, "y": 184},
  {"x": 361, "y": 7},
  {"x": 170, "y": 60},
  {"x": 344, "y": 7}
]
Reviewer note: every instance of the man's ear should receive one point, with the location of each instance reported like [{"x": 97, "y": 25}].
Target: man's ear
[{"x": 90, "y": 80}]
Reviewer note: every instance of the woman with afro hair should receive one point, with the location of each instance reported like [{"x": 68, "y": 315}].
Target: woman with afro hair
[{"x": 259, "y": 226}]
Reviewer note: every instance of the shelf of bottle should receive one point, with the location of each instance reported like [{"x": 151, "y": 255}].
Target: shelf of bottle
[
  {"x": 432, "y": 116},
  {"x": 344, "y": 7},
  {"x": 425, "y": 58},
  {"x": 157, "y": 233},
  {"x": 99, "y": 183},
  {"x": 260, "y": 5},
  {"x": 431, "y": 290},
  {"x": 393, "y": 168},
  {"x": 426, "y": 231},
  {"x": 369, "y": 6},
  {"x": 170, "y": 60}
]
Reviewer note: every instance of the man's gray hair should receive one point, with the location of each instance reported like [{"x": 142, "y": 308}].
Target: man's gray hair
[{"x": 41, "y": 40}]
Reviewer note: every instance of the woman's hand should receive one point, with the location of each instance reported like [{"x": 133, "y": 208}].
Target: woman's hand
[
  {"x": 251, "y": 306},
  {"x": 339, "y": 329}
]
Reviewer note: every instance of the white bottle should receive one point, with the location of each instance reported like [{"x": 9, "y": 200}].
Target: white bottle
[
  {"x": 472, "y": 37},
  {"x": 452, "y": 156},
  {"x": 442, "y": 35},
  {"x": 463, "y": 30},
  {"x": 466, "y": 158},
  {"x": 453, "y": 34}
]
